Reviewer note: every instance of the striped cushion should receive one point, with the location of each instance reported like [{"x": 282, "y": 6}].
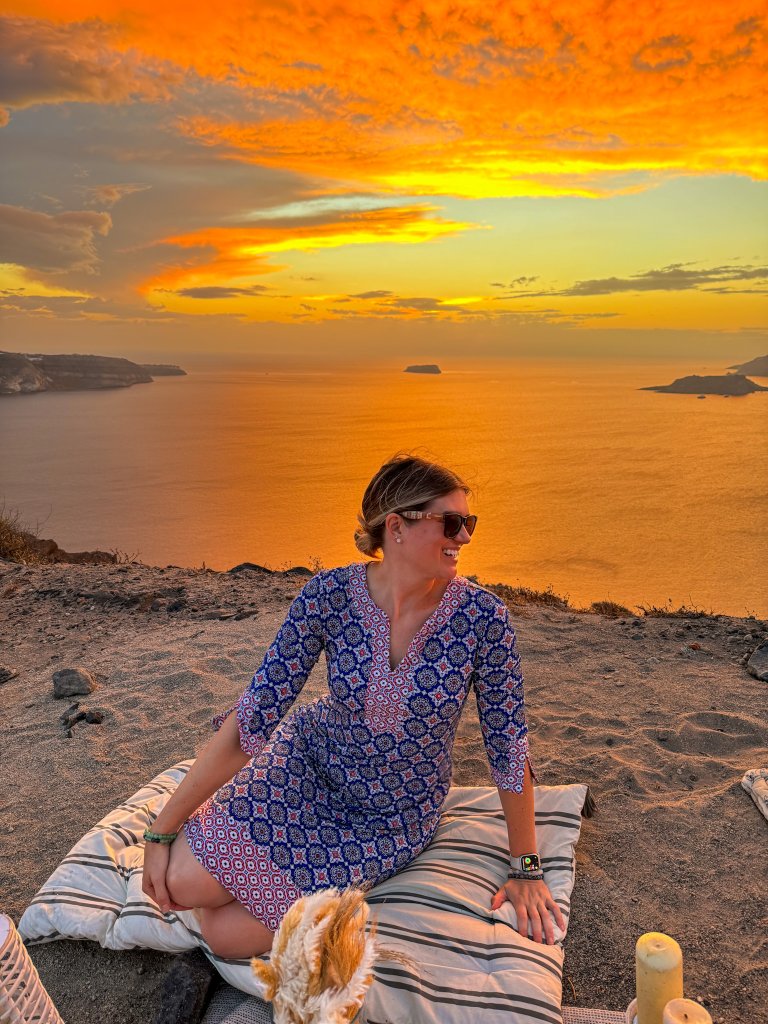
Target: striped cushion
[{"x": 462, "y": 961}]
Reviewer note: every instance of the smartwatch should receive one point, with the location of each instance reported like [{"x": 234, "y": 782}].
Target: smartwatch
[{"x": 528, "y": 864}]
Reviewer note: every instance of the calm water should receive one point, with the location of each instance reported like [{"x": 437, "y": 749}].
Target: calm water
[{"x": 582, "y": 481}]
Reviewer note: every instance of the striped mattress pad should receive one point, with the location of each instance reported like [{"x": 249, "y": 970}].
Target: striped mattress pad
[{"x": 458, "y": 960}]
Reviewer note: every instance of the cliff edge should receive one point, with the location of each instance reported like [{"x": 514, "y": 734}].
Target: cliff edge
[{"x": 22, "y": 374}]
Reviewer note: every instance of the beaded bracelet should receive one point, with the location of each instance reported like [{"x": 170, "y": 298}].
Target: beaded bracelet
[
  {"x": 537, "y": 876},
  {"x": 159, "y": 837}
]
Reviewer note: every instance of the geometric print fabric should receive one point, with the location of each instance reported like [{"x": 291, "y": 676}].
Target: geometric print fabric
[{"x": 348, "y": 790}]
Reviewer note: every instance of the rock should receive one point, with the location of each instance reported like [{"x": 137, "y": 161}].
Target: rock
[
  {"x": 69, "y": 720},
  {"x": 250, "y": 567},
  {"x": 184, "y": 992},
  {"x": 95, "y": 717},
  {"x": 7, "y": 673},
  {"x": 757, "y": 665},
  {"x": 68, "y": 682},
  {"x": 423, "y": 368},
  {"x": 722, "y": 384}
]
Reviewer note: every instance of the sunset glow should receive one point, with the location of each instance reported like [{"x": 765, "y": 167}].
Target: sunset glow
[{"x": 583, "y": 167}]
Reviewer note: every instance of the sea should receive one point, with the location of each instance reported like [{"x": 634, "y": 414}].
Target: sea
[{"x": 583, "y": 483}]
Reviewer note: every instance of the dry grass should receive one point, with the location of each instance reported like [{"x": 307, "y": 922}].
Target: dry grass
[
  {"x": 16, "y": 538},
  {"x": 666, "y": 611},
  {"x": 518, "y": 597},
  {"x": 610, "y": 609}
]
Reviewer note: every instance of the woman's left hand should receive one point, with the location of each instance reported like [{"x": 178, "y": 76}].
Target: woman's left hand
[{"x": 533, "y": 905}]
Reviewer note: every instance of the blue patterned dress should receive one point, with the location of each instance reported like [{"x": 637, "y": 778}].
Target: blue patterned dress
[{"x": 348, "y": 789}]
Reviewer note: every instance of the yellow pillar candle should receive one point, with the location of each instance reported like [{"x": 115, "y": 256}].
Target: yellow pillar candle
[
  {"x": 659, "y": 972},
  {"x": 685, "y": 1011}
]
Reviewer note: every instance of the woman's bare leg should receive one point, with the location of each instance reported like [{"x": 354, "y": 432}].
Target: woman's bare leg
[
  {"x": 189, "y": 884},
  {"x": 229, "y": 929},
  {"x": 233, "y": 932}
]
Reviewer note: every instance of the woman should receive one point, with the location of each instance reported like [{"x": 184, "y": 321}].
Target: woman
[{"x": 348, "y": 790}]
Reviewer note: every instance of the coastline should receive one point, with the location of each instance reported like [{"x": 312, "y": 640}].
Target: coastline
[{"x": 658, "y": 715}]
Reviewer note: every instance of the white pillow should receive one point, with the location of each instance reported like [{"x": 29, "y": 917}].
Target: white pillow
[{"x": 464, "y": 960}]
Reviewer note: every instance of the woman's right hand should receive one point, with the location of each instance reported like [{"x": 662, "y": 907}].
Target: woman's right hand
[{"x": 156, "y": 859}]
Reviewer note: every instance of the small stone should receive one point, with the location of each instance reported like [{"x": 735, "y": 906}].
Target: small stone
[
  {"x": 757, "y": 663},
  {"x": 7, "y": 673},
  {"x": 749, "y": 638},
  {"x": 662, "y": 735},
  {"x": 70, "y": 720},
  {"x": 68, "y": 682},
  {"x": 609, "y": 741},
  {"x": 94, "y": 717}
]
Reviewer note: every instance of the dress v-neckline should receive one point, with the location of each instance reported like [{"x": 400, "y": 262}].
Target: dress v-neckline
[{"x": 385, "y": 635}]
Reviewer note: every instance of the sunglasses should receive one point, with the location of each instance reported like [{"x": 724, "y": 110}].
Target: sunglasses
[{"x": 452, "y": 521}]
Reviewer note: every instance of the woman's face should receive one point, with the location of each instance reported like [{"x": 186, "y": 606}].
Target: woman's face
[{"x": 425, "y": 543}]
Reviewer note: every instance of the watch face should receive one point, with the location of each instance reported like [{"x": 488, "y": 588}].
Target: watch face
[{"x": 530, "y": 862}]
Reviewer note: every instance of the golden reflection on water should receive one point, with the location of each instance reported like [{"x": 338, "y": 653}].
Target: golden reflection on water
[{"x": 581, "y": 481}]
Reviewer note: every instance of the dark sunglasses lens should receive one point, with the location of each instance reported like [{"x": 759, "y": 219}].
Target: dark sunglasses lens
[{"x": 452, "y": 523}]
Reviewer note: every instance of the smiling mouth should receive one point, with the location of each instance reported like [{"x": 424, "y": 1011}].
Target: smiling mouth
[{"x": 451, "y": 553}]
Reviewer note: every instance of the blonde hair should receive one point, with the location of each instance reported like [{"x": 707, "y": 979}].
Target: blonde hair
[{"x": 405, "y": 482}]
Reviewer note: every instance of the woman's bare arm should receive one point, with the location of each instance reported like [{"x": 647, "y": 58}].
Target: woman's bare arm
[
  {"x": 532, "y": 900},
  {"x": 217, "y": 762}
]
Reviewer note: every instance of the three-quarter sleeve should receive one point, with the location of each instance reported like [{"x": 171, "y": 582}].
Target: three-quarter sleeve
[
  {"x": 283, "y": 670},
  {"x": 498, "y": 683}
]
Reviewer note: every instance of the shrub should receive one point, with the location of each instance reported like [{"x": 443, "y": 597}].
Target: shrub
[
  {"x": 610, "y": 609},
  {"x": 16, "y": 540}
]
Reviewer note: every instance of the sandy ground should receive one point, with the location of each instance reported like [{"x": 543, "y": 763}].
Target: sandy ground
[{"x": 658, "y": 715}]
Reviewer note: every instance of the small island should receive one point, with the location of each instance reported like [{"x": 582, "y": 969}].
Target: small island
[
  {"x": 163, "y": 370},
  {"x": 757, "y": 366},
  {"x": 423, "y": 368},
  {"x": 22, "y": 374},
  {"x": 724, "y": 384}
]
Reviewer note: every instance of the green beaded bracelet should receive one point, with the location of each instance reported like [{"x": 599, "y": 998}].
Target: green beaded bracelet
[{"x": 159, "y": 837}]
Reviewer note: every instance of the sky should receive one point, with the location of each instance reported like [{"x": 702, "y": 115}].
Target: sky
[{"x": 325, "y": 181}]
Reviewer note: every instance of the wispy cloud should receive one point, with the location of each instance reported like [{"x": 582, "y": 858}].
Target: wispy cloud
[
  {"x": 52, "y": 243},
  {"x": 240, "y": 253},
  {"x": 220, "y": 292},
  {"x": 108, "y": 195},
  {"x": 673, "y": 278}
]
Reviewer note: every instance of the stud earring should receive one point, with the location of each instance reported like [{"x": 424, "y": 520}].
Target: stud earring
[{"x": 399, "y": 540}]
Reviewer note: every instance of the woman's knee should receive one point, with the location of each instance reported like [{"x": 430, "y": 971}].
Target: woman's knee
[
  {"x": 188, "y": 883},
  {"x": 232, "y": 932}
]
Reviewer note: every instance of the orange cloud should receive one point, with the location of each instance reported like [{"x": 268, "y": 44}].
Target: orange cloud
[
  {"x": 229, "y": 259},
  {"x": 451, "y": 97}
]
